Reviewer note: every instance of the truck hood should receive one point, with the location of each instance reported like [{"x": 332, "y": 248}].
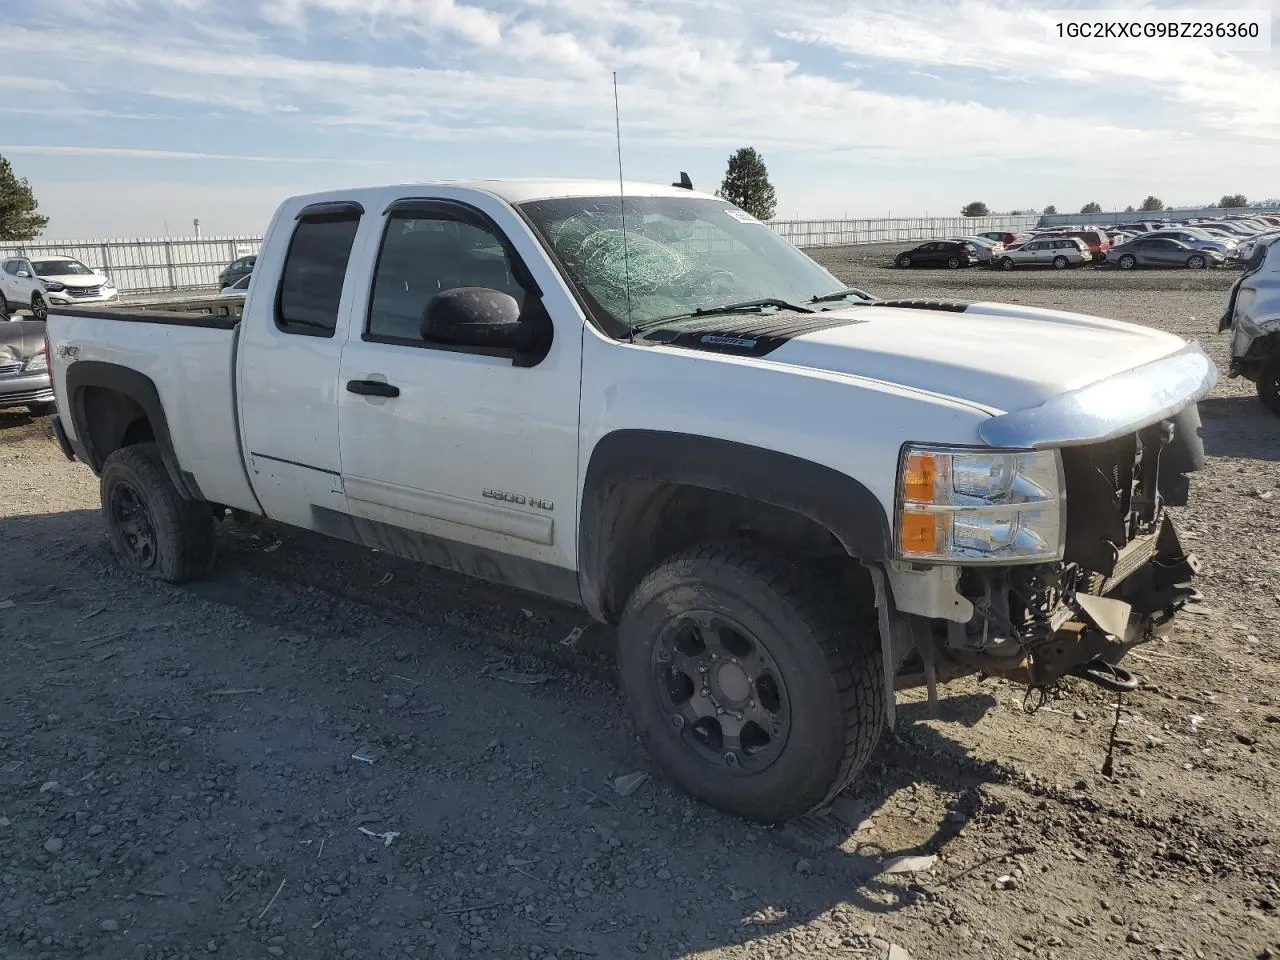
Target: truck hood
[{"x": 999, "y": 356}]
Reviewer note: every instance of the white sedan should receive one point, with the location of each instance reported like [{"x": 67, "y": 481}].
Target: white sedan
[{"x": 37, "y": 283}]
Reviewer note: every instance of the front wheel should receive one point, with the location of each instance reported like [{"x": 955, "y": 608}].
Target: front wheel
[
  {"x": 753, "y": 683},
  {"x": 904, "y": 261},
  {"x": 1195, "y": 262},
  {"x": 1060, "y": 263},
  {"x": 1007, "y": 263},
  {"x": 39, "y": 309},
  {"x": 1128, "y": 262},
  {"x": 153, "y": 529},
  {"x": 4, "y": 308},
  {"x": 1269, "y": 385}
]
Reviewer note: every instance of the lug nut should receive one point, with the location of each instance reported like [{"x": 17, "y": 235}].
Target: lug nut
[{"x": 677, "y": 721}]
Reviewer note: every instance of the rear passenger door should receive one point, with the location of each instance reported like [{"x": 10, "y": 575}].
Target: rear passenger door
[
  {"x": 292, "y": 336},
  {"x": 1034, "y": 253},
  {"x": 464, "y": 456}
]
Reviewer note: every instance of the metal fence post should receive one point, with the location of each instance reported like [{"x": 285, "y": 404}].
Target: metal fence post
[{"x": 168, "y": 258}]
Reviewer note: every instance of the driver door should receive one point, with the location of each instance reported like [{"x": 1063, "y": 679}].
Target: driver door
[{"x": 460, "y": 454}]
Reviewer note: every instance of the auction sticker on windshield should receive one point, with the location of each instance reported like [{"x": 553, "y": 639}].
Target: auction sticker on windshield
[{"x": 741, "y": 216}]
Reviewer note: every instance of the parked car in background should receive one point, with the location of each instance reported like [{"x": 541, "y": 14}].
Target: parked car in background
[
  {"x": 1263, "y": 239},
  {"x": 1001, "y": 236},
  {"x": 235, "y": 270},
  {"x": 24, "y": 367},
  {"x": 1199, "y": 240},
  {"x": 1162, "y": 252},
  {"x": 239, "y": 288},
  {"x": 1056, "y": 252},
  {"x": 1252, "y": 315},
  {"x": 988, "y": 251},
  {"x": 939, "y": 253},
  {"x": 1095, "y": 238},
  {"x": 35, "y": 283}
]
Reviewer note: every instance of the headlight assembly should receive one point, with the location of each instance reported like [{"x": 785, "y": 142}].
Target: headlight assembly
[{"x": 969, "y": 506}]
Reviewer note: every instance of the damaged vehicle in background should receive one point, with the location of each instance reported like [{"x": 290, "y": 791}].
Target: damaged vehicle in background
[
  {"x": 40, "y": 282},
  {"x": 24, "y": 367},
  {"x": 792, "y": 497},
  {"x": 1252, "y": 314}
]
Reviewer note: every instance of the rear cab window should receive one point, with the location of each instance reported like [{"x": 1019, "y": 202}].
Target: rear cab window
[{"x": 315, "y": 269}]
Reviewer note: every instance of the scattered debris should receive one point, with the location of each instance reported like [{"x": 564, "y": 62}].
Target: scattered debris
[
  {"x": 109, "y": 926},
  {"x": 387, "y": 838},
  {"x": 524, "y": 679},
  {"x": 367, "y": 755},
  {"x": 53, "y": 845},
  {"x": 1007, "y": 882},
  {"x": 1195, "y": 720},
  {"x": 572, "y": 637},
  {"x": 7, "y": 604},
  {"x": 628, "y": 784},
  {"x": 459, "y": 911},
  {"x": 386, "y": 578},
  {"x": 910, "y": 864},
  {"x": 396, "y": 701},
  {"x": 51, "y": 786},
  {"x": 272, "y": 547},
  {"x": 104, "y": 638},
  {"x": 272, "y": 900},
  {"x": 765, "y": 916},
  {"x": 235, "y": 692},
  {"x": 91, "y": 614},
  {"x": 897, "y": 953}
]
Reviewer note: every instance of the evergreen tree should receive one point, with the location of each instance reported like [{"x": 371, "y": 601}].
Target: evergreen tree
[
  {"x": 746, "y": 184},
  {"x": 18, "y": 217}
]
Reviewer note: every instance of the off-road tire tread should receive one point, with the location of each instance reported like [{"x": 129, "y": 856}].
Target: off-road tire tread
[
  {"x": 1266, "y": 376},
  {"x": 853, "y": 656},
  {"x": 186, "y": 539}
]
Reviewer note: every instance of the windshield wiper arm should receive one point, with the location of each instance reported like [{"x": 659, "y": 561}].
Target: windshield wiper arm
[
  {"x": 741, "y": 307},
  {"x": 841, "y": 294}
]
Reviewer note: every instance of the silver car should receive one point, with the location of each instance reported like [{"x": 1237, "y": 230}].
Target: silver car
[
  {"x": 1199, "y": 240},
  {"x": 1162, "y": 252},
  {"x": 988, "y": 251},
  {"x": 1056, "y": 252},
  {"x": 1252, "y": 315},
  {"x": 24, "y": 368}
]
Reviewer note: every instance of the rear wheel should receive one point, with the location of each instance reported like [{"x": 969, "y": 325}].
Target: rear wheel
[
  {"x": 953, "y": 263},
  {"x": 1007, "y": 263},
  {"x": 1060, "y": 263},
  {"x": 753, "y": 683},
  {"x": 1195, "y": 262},
  {"x": 39, "y": 309},
  {"x": 153, "y": 529},
  {"x": 1128, "y": 262},
  {"x": 1269, "y": 385},
  {"x": 904, "y": 261}
]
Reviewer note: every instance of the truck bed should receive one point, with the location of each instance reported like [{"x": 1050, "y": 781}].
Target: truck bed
[{"x": 189, "y": 357}]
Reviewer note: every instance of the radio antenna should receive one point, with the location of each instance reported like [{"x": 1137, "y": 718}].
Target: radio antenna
[{"x": 622, "y": 209}]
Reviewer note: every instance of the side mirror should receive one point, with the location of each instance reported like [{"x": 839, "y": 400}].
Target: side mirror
[
  {"x": 475, "y": 317},
  {"x": 23, "y": 273}
]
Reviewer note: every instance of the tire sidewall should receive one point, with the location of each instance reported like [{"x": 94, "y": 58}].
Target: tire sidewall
[
  {"x": 1007, "y": 263},
  {"x": 1128, "y": 262},
  {"x": 1195, "y": 262},
  {"x": 904, "y": 262},
  {"x": 811, "y": 759},
  {"x": 39, "y": 307},
  {"x": 953, "y": 263},
  {"x": 1060, "y": 263}
]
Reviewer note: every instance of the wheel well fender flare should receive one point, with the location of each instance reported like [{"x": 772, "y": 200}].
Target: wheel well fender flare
[
  {"x": 98, "y": 440},
  {"x": 834, "y": 500}
]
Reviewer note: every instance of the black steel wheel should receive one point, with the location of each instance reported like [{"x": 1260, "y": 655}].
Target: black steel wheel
[
  {"x": 153, "y": 529},
  {"x": 754, "y": 683},
  {"x": 1269, "y": 385},
  {"x": 39, "y": 309},
  {"x": 722, "y": 690}
]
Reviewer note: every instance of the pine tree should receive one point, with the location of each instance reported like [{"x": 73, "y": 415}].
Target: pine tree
[
  {"x": 975, "y": 209},
  {"x": 746, "y": 184},
  {"x": 1152, "y": 203},
  {"x": 1091, "y": 207},
  {"x": 18, "y": 217},
  {"x": 1049, "y": 211}
]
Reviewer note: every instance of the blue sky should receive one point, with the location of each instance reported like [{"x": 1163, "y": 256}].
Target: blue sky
[{"x": 132, "y": 117}]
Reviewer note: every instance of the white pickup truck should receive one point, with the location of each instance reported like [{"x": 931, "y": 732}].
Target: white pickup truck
[{"x": 793, "y": 498}]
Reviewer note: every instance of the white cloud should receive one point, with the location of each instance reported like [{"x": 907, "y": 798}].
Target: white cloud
[{"x": 138, "y": 153}]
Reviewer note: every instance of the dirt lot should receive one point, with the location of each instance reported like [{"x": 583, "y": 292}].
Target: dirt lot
[{"x": 177, "y": 775}]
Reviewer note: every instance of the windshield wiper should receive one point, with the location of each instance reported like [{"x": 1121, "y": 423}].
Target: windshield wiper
[
  {"x": 742, "y": 307},
  {"x": 841, "y": 294}
]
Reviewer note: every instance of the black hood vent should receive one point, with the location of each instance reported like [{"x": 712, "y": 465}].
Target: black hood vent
[{"x": 749, "y": 336}]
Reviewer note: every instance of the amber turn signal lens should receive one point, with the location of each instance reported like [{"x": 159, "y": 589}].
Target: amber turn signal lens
[
  {"x": 919, "y": 477},
  {"x": 919, "y": 532}
]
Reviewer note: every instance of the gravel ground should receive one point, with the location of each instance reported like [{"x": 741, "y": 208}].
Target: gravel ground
[{"x": 324, "y": 752}]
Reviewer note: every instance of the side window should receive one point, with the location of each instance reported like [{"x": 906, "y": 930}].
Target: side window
[
  {"x": 425, "y": 252},
  {"x": 314, "y": 270},
  {"x": 11, "y": 267}
]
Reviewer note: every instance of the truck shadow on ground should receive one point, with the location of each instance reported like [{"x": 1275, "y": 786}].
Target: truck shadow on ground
[
  {"x": 920, "y": 789},
  {"x": 1240, "y": 427}
]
